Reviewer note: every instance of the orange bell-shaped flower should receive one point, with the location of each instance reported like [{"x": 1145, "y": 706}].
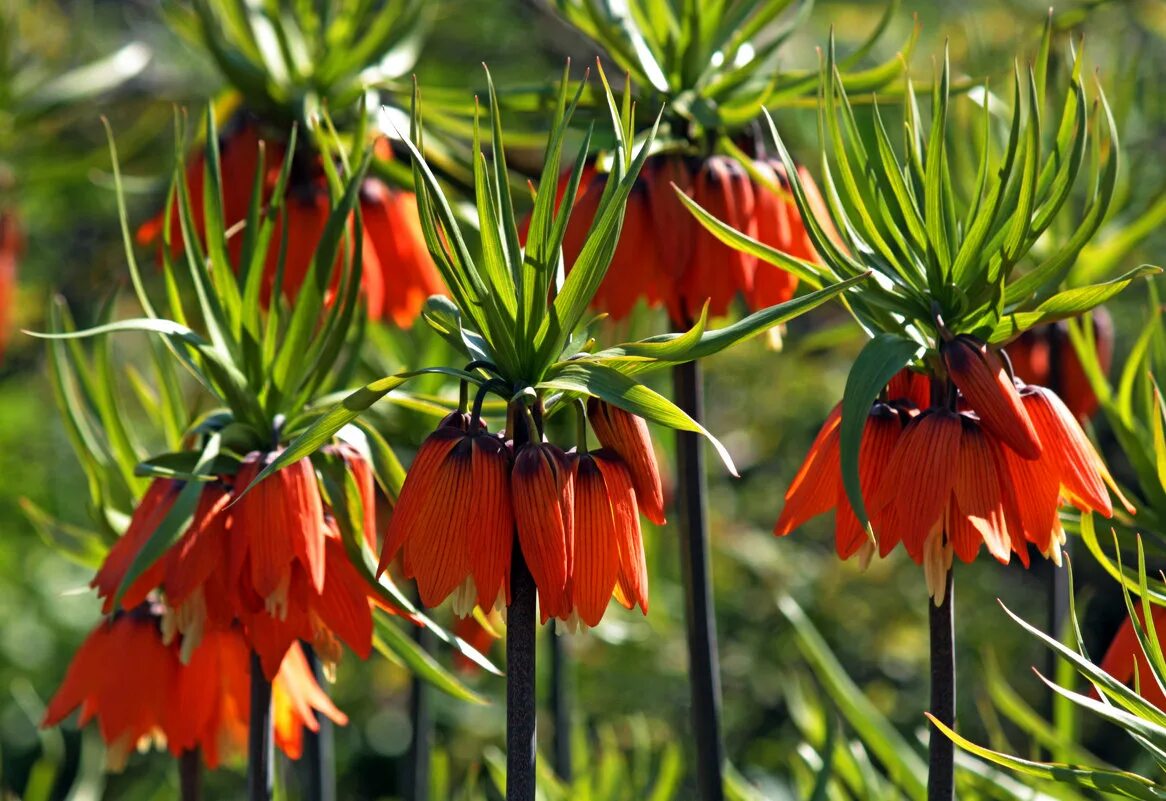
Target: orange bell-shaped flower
[{"x": 453, "y": 522}]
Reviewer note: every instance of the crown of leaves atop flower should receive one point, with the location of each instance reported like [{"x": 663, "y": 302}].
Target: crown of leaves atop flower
[
  {"x": 715, "y": 65},
  {"x": 290, "y": 61},
  {"x": 517, "y": 315},
  {"x": 263, "y": 365},
  {"x": 954, "y": 251}
]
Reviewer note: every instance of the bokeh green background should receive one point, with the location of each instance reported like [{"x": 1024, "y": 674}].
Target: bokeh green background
[{"x": 630, "y": 673}]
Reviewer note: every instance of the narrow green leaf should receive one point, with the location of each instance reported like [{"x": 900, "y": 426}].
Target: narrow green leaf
[
  {"x": 1069, "y": 303},
  {"x": 390, "y": 641},
  {"x": 1129, "y": 785},
  {"x": 877, "y": 363}
]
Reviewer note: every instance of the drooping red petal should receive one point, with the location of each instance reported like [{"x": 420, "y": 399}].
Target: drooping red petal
[
  {"x": 628, "y": 435},
  {"x": 419, "y": 484},
  {"x": 1036, "y": 489},
  {"x": 916, "y": 485},
  {"x": 595, "y": 567},
  {"x": 282, "y": 518},
  {"x": 1083, "y": 475},
  {"x": 436, "y": 552},
  {"x": 879, "y": 436},
  {"x": 543, "y": 489},
  {"x": 343, "y": 605},
  {"x": 634, "y": 271},
  {"x": 150, "y": 512},
  {"x": 632, "y": 584},
  {"x": 978, "y": 508},
  {"x": 717, "y": 272},
  {"x": 403, "y": 267},
  {"x": 775, "y": 227},
  {"x": 673, "y": 226},
  {"x": 202, "y": 549},
  {"x": 492, "y": 538},
  {"x": 814, "y": 489},
  {"x": 980, "y": 375}
]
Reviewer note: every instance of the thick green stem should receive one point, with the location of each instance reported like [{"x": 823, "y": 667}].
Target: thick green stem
[
  {"x": 941, "y": 750},
  {"x": 260, "y": 747},
  {"x": 703, "y": 663}
]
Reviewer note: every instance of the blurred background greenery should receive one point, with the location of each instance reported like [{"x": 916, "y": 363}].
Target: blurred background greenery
[{"x": 629, "y": 675}]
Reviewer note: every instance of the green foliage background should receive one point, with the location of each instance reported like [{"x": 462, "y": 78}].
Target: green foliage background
[{"x": 630, "y": 675}]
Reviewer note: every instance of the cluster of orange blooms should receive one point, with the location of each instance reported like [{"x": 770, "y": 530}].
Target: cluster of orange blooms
[
  {"x": 397, "y": 275},
  {"x": 262, "y": 575},
  {"x": 667, "y": 258},
  {"x": 576, "y": 515},
  {"x": 140, "y": 691},
  {"x": 986, "y": 460}
]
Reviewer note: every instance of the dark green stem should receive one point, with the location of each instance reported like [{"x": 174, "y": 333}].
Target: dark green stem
[
  {"x": 260, "y": 753},
  {"x": 520, "y": 682},
  {"x": 703, "y": 663},
  {"x": 190, "y": 775},
  {"x": 941, "y": 750},
  {"x": 319, "y": 748},
  {"x": 420, "y": 715}
]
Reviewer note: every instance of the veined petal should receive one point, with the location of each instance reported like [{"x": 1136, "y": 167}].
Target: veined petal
[
  {"x": 814, "y": 489},
  {"x": 1036, "y": 488},
  {"x": 916, "y": 485},
  {"x": 150, "y": 512},
  {"x": 980, "y": 375},
  {"x": 978, "y": 510},
  {"x": 879, "y": 436},
  {"x": 595, "y": 567},
  {"x": 674, "y": 229},
  {"x": 634, "y": 271},
  {"x": 419, "y": 485},
  {"x": 1082, "y": 473},
  {"x": 632, "y": 581},
  {"x": 491, "y": 538},
  {"x": 436, "y": 551},
  {"x": 627, "y": 435},
  {"x": 202, "y": 549},
  {"x": 343, "y": 605},
  {"x": 716, "y": 273},
  {"x": 544, "y": 497}
]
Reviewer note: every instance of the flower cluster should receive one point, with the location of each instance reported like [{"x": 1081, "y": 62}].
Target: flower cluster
[
  {"x": 986, "y": 460},
  {"x": 397, "y": 274},
  {"x": 665, "y": 257},
  {"x": 576, "y": 515},
  {"x": 273, "y": 564},
  {"x": 134, "y": 683}
]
